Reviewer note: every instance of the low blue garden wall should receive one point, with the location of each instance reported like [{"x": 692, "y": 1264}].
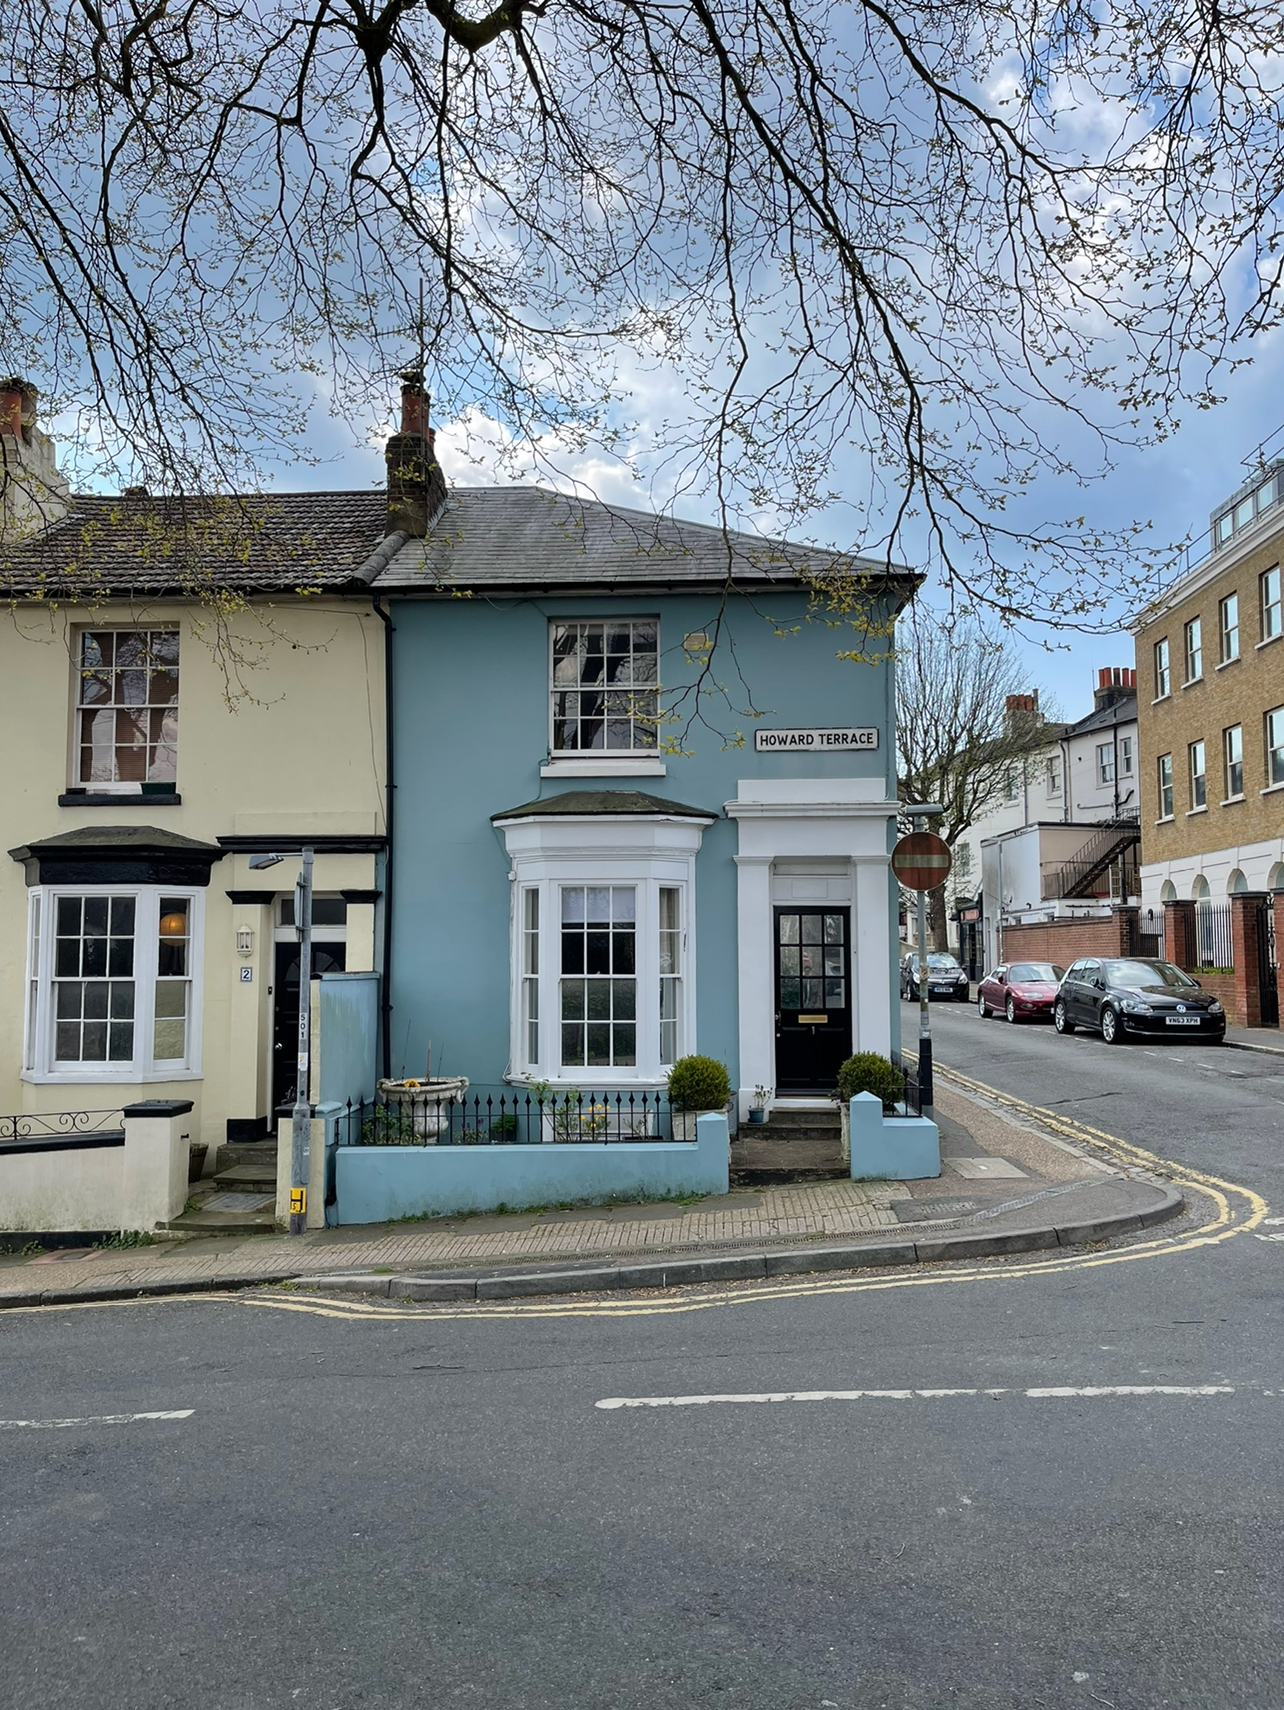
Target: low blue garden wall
[
  {"x": 891, "y": 1148},
  {"x": 377, "y": 1183}
]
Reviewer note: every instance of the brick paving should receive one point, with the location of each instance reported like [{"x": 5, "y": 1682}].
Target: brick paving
[{"x": 829, "y": 1208}]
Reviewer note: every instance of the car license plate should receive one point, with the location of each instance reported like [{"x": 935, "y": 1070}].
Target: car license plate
[{"x": 1184, "y": 1020}]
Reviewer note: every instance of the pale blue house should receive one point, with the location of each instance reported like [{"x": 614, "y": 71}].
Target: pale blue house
[{"x": 569, "y": 902}]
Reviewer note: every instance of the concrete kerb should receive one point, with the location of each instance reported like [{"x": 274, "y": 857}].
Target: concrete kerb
[{"x": 669, "y": 1273}]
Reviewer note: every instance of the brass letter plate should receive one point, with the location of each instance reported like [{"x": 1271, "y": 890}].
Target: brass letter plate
[{"x": 812, "y": 1020}]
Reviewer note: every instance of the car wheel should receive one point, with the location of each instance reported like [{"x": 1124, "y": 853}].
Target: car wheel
[
  {"x": 1060, "y": 1020},
  {"x": 982, "y": 1008},
  {"x": 1010, "y": 1012},
  {"x": 1111, "y": 1031}
]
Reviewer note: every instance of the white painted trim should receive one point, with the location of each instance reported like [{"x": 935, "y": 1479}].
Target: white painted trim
[
  {"x": 603, "y": 766},
  {"x": 810, "y": 810},
  {"x": 142, "y": 1068},
  {"x": 646, "y": 852}
]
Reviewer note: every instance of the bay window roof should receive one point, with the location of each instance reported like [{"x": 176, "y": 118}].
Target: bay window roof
[{"x": 598, "y": 802}]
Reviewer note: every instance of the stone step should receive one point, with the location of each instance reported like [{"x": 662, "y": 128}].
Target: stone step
[
  {"x": 224, "y": 1223},
  {"x": 247, "y": 1178},
  {"x": 761, "y": 1160},
  {"x": 786, "y": 1123},
  {"x": 258, "y": 1152}
]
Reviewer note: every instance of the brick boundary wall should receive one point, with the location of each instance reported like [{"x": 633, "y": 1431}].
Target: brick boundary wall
[
  {"x": 1064, "y": 941},
  {"x": 1237, "y": 991}
]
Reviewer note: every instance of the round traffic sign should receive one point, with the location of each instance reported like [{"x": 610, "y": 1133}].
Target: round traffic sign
[{"x": 921, "y": 861}]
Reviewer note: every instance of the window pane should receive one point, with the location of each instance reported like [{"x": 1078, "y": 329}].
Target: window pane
[
  {"x": 572, "y": 1045},
  {"x": 138, "y": 670},
  {"x": 790, "y": 994},
  {"x": 834, "y": 994},
  {"x": 789, "y": 959},
  {"x": 812, "y": 932},
  {"x": 789, "y": 929},
  {"x": 813, "y": 994},
  {"x": 834, "y": 924},
  {"x": 589, "y": 658}
]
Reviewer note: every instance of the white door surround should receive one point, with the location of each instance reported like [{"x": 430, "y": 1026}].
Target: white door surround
[{"x": 811, "y": 832}]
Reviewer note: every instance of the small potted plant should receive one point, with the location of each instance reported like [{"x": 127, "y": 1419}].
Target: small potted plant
[
  {"x": 761, "y": 1099},
  {"x": 698, "y": 1086}
]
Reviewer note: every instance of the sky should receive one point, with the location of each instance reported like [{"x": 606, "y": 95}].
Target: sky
[{"x": 1175, "y": 485}]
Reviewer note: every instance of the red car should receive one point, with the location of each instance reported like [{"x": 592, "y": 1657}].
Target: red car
[{"x": 1022, "y": 990}]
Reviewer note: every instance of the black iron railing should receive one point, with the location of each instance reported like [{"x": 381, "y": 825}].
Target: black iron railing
[
  {"x": 522, "y": 1119},
  {"x": 911, "y": 1103},
  {"x": 1213, "y": 937},
  {"x": 61, "y": 1125}
]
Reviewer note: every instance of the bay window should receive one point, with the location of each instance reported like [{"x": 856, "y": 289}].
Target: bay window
[{"x": 110, "y": 983}]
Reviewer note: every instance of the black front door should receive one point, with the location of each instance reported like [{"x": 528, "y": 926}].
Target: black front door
[
  {"x": 326, "y": 959},
  {"x": 813, "y": 997}
]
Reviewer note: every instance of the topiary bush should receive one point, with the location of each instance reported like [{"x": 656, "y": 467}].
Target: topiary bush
[
  {"x": 868, "y": 1072},
  {"x": 699, "y": 1083}
]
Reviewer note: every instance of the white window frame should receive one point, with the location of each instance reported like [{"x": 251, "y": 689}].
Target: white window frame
[
  {"x": 650, "y": 854},
  {"x": 38, "y": 1041},
  {"x": 1125, "y": 756},
  {"x": 1105, "y": 764},
  {"x": 563, "y": 757},
  {"x": 1270, "y": 605},
  {"x": 1274, "y": 731},
  {"x": 1193, "y": 649},
  {"x": 115, "y": 786},
  {"x": 1228, "y": 609}
]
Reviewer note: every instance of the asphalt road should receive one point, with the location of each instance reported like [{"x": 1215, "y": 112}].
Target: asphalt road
[{"x": 420, "y": 1510}]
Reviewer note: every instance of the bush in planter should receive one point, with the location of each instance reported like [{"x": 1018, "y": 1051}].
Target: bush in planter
[
  {"x": 699, "y": 1083},
  {"x": 868, "y": 1072}
]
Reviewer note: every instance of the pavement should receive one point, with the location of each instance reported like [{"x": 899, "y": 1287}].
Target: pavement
[
  {"x": 1033, "y": 1483},
  {"x": 1007, "y": 1185}
]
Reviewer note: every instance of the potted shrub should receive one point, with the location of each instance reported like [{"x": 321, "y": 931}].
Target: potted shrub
[
  {"x": 427, "y": 1102},
  {"x": 761, "y": 1099},
  {"x": 697, "y": 1086},
  {"x": 866, "y": 1072}
]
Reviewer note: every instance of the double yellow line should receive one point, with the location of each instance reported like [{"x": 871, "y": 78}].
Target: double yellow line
[{"x": 1236, "y": 1210}]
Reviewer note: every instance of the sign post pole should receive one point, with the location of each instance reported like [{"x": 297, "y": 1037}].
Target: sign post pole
[
  {"x": 925, "y": 1091},
  {"x": 921, "y": 862}
]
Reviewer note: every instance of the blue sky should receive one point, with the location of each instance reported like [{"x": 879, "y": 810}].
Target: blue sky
[{"x": 1174, "y": 484}]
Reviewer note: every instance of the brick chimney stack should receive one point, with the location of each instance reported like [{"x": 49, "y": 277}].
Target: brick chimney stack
[
  {"x": 33, "y": 492},
  {"x": 416, "y": 485},
  {"x": 1115, "y": 683}
]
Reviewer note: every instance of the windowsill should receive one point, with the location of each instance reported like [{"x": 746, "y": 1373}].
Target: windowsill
[
  {"x": 1229, "y": 801},
  {"x": 123, "y": 798},
  {"x": 1191, "y": 812},
  {"x": 1269, "y": 642},
  {"x": 603, "y": 766},
  {"x": 1270, "y": 789},
  {"x": 1166, "y": 820},
  {"x": 1158, "y": 698},
  {"x": 1225, "y": 662},
  {"x": 1191, "y": 681},
  {"x": 617, "y": 1080},
  {"x": 104, "y": 1076}
]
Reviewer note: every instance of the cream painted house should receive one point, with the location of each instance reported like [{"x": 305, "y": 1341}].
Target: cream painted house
[{"x": 157, "y": 734}]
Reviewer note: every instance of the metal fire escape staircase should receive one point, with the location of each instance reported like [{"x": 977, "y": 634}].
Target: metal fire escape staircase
[{"x": 1114, "y": 840}]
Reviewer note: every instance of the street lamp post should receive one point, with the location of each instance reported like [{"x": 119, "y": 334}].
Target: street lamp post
[{"x": 301, "y": 1116}]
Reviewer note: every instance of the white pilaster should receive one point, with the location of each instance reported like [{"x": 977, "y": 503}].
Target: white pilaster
[{"x": 757, "y": 981}]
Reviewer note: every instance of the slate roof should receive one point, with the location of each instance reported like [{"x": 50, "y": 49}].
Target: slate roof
[
  {"x": 135, "y": 839},
  {"x": 135, "y": 544},
  {"x": 1122, "y": 711},
  {"x": 527, "y": 540},
  {"x": 604, "y": 802}
]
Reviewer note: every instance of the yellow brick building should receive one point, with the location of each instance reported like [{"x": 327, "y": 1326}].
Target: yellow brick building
[{"x": 1210, "y": 697}]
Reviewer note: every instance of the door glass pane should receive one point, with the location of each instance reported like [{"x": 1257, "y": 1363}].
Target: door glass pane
[
  {"x": 834, "y": 924},
  {"x": 789, "y": 929},
  {"x": 812, "y": 925}
]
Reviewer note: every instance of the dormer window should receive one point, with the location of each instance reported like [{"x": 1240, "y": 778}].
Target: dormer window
[{"x": 1240, "y": 516}]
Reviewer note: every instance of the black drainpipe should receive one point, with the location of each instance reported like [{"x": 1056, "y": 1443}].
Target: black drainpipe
[{"x": 385, "y": 975}]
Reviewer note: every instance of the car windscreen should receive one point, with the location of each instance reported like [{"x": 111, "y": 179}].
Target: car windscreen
[
  {"x": 1046, "y": 972},
  {"x": 937, "y": 960},
  {"x": 1146, "y": 974}
]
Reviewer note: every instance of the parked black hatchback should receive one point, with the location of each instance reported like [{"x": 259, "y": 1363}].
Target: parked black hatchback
[{"x": 1129, "y": 995}]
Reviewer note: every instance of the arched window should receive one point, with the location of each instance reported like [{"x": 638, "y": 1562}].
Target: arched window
[
  {"x": 1276, "y": 880},
  {"x": 1236, "y": 883},
  {"x": 1201, "y": 892},
  {"x": 1167, "y": 892}
]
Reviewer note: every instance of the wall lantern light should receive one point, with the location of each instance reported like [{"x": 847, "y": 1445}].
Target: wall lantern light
[{"x": 245, "y": 940}]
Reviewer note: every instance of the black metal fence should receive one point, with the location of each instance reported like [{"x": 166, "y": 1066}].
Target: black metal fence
[
  {"x": 912, "y": 1103},
  {"x": 1213, "y": 935},
  {"x": 61, "y": 1125},
  {"x": 524, "y": 1119}
]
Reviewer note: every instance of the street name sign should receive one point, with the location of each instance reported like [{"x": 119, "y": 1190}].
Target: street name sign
[
  {"x": 921, "y": 861},
  {"x": 842, "y": 739}
]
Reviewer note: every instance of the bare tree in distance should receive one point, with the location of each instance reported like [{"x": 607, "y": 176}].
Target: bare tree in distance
[
  {"x": 913, "y": 258},
  {"x": 958, "y": 739}
]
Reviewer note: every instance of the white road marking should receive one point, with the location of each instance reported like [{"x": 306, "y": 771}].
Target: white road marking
[
  {"x": 93, "y": 1419},
  {"x": 1057, "y": 1394}
]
